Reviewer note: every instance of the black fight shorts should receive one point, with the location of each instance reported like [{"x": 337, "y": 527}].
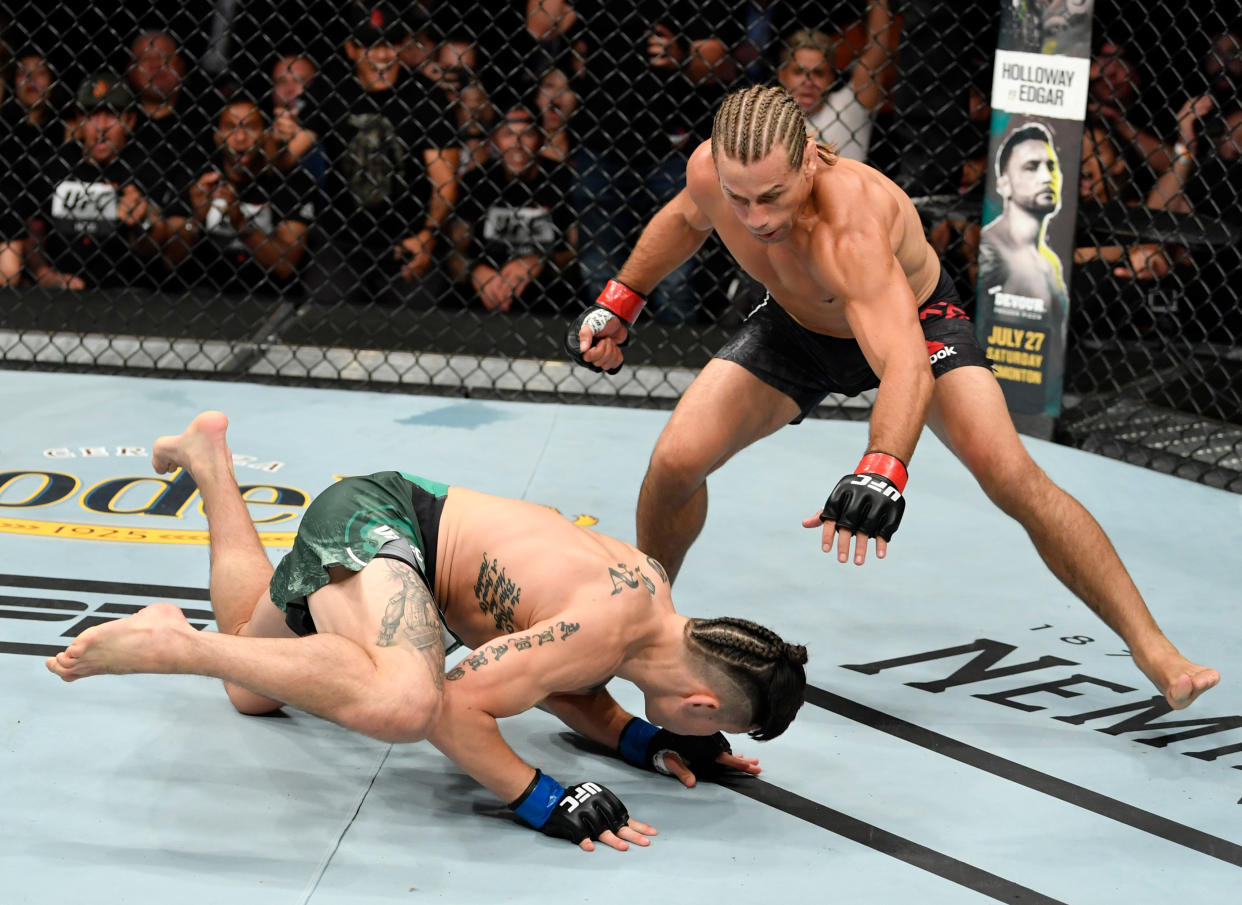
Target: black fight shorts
[{"x": 808, "y": 366}]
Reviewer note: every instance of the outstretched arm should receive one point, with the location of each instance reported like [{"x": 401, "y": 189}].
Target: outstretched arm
[
  {"x": 883, "y": 316},
  {"x": 512, "y": 674},
  {"x": 676, "y": 232},
  {"x": 858, "y": 266},
  {"x": 507, "y": 676}
]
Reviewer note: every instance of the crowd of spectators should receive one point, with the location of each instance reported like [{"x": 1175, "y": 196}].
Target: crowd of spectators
[{"x": 413, "y": 158}]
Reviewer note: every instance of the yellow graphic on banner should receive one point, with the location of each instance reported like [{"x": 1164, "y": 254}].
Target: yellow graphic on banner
[
  {"x": 1017, "y": 354},
  {"x": 127, "y": 535}
]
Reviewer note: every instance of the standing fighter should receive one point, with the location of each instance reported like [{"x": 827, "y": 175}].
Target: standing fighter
[
  {"x": 856, "y": 300},
  {"x": 349, "y": 627}
]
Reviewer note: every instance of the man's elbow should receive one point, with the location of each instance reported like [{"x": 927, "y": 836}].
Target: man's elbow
[
  {"x": 925, "y": 380},
  {"x": 913, "y": 371}
]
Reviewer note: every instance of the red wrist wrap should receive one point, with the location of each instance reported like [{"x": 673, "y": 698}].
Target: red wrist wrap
[
  {"x": 886, "y": 466},
  {"x": 622, "y": 301}
]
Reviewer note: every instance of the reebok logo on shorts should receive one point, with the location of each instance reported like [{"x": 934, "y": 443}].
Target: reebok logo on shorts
[{"x": 939, "y": 351}]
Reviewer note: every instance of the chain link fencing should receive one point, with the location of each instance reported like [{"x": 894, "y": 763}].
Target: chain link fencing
[{"x": 422, "y": 195}]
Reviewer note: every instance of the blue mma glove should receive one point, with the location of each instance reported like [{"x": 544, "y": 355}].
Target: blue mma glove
[
  {"x": 645, "y": 745},
  {"x": 583, "y": 811}
]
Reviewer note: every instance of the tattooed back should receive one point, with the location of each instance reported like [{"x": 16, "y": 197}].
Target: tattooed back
[{"x": 505, "y": 564}]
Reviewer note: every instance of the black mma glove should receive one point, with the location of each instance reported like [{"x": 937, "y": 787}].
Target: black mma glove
[
  {"x": 582, "y": 811},
  {"x": 645, "y": 745},
  {"x": 616, "y": 301},
  {"x": 869, "y": 501}
]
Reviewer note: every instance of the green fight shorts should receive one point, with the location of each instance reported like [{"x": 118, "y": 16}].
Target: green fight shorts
[{"x": 388, "y": 514}]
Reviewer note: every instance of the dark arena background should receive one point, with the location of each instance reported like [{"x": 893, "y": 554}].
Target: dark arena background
[{"x": 1152, "y": 361}]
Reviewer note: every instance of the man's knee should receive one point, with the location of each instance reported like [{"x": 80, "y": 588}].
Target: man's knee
[
  {"x": 675, "y": 468},
  {"x": 1011, "y": 481},
  {"x": 247, "y": 702}
]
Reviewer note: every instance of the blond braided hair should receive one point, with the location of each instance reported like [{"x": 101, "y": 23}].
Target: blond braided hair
[{"x": 749, "y": 123}]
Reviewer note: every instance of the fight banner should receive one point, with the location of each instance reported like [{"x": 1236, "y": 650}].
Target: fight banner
[{"x": 1039, "y": 100}]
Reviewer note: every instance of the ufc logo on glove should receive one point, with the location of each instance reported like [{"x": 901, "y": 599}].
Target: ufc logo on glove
[
  {"x": 881, "y": 487},
  {"x": 585, "y": 791}
]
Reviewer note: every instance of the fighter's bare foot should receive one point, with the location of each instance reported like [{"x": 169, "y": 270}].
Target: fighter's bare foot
[
  {"x": 1188, "y": 685},
  {"x": 200, "y": 446},
  {"x": 151, "y": 640},
  {"x": 1180, "y": 680}
]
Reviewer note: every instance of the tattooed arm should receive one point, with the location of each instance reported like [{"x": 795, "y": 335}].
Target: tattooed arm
[{"x": 511, "y": 674}]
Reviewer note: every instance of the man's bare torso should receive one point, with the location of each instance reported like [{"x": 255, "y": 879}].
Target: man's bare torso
[
  {"x": 505, "y": 565},
  {"x": 843, "y": 193}
]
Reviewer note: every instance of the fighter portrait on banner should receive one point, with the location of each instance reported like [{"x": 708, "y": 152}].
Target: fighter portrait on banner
[
  {"x": 1014, "y": 253},
  {"x": 1019, "y": 272}
]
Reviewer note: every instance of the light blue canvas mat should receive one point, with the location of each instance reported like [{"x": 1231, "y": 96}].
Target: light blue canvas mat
[{"x": 913, "y": 774}]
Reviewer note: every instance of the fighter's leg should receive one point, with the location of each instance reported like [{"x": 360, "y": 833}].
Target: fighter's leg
[
  {"x": 267, "y": 621},
  {"x": 723, "y": 411},
  {"x": 969, "y": 415},
  {"x": 240, "y": 569},
  {"x": 389, "y": 612},
  {"x": 376, "y": 665}
]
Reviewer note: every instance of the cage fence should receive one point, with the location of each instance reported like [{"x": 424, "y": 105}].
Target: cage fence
[{"x": 422, "y": 195}]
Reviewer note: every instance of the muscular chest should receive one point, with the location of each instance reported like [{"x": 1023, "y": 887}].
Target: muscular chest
[{"x": 783, "y": 271}]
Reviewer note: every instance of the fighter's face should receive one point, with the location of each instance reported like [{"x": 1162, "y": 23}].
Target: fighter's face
[
  {"x": 1032, "y": 178},
  {"x": 766, "y": 196}
]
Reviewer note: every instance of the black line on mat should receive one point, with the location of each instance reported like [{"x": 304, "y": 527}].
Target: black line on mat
[
  {"x": 1139, "y": 819},
  {"x": 34, "y": 650},
  {"x": 887, "y": 843},
  {"x": 103, "y": 587}
]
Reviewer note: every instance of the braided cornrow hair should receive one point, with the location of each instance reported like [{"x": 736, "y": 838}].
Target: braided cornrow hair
[
  {"x": 750, "y": 122},
  {"x": 768, "y": 671}
]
